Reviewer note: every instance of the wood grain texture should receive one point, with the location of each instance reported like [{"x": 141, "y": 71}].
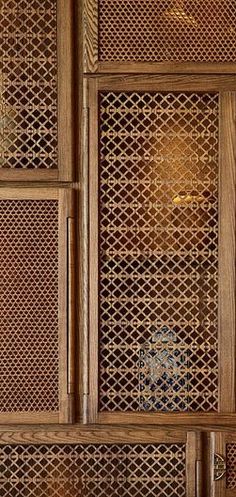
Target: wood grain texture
[
  {"x": 93, "y": 257},
  {"x": 227, "y": 147},
  {"x": 88, "y": 434},
  {"x": 66, "y": 118},
  {"x": 190, "y": 464},
  {"x": 166, "y": 68},
  {"x": 28, "y": 175},
  {"x": 90, "y": 26},
  {"x": 172, "y": 82},
  {"x": 29, "y": 193},
  {"x": 179, "y": 419},
  {"x": 83, "y": 372},
  {"x": 66, "y": 307}
]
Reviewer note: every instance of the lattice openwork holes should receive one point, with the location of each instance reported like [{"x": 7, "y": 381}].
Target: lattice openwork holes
[
  {"x": 28, "y": 84},
  {"x": 231, "y": 465},
  {"x": 158, "y": 251},
  {"x": 29, "y": 305},
  {"x": 93, "y": 470},
  {"x": 165, "y": 30}
]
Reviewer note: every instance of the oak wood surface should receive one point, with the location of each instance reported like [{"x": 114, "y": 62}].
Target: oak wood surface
[
  {"x": 226, "y": 305},
  {"x": 165, "y": 82},
  {"x": 163, "y": 68}
]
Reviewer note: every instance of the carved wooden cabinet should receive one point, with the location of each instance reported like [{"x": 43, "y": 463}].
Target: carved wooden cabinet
[{"x": 117, "y": 248}]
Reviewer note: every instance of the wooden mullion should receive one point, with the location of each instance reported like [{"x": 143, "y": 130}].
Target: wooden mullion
[
  {"x": 66, "y": 305},
  {"x": 227, "y": 147},
  {"x": 90, "y": 26},
  {"x": 66, "y": 122},
  {"x": 93, "y": 254}
]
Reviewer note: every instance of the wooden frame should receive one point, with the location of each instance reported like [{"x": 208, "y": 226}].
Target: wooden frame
[
  {"x": 93, "y": 65},
  {"x": 64, "y": 103},
  {"x": 109, "y": 435},
  {"x": 66, "y": 302},
  {"x": 226, "y": 86}
]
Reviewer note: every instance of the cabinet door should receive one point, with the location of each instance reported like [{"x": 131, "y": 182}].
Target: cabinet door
[
  {"x": 36, "y": 297},
  {"x": 160, "y": 35},
  {"x": 98, "y": 463},
  {"x": 35, "y": 83},
  {"x": 162, "y": 199}
]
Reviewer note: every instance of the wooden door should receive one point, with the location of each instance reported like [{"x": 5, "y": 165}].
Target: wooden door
[
  {"x": 98, "y": 462},
  {"x": 36, "y": 90},
  {"x": 36, "y": 259},
  {"x": 167, "y": 36},
  {"x": 161, "y": 247}
]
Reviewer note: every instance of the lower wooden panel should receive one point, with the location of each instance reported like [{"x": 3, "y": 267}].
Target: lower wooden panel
[
  {"x": 97, "y": 461},
  {"x": 35, "y": 305}
]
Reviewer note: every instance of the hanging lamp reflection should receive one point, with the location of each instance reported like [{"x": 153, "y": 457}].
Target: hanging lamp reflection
[{"x": 178, "y": 12}]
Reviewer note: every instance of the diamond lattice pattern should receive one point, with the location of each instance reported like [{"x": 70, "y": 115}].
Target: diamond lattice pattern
[
  {"x": 29, "y": 305},
  {"x": 93, "y": 471},
  {"x": 28, "y": 83},
  {"x": 167, "y": 30},
  {"x": 158, "y": 251},
  {"x": 231, "y": 465}
]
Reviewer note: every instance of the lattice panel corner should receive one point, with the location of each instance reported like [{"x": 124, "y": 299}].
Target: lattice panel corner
[
  {"x": 167, "y": 30},
  {"x": 28, "y": 84},
  {"x": 231, "y": 465},
  {"x": 93, "y": 470},
  {"x": 158, "y": 251},
  {"x": 29, "y": 305}
]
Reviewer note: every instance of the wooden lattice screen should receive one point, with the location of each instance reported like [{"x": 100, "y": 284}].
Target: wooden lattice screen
[
  {"x": 231, "y": 465},
  {"x": 167, "y": 30},
  {"x": 28, "y": 83},
  {"x": 158, "y": 251},
  {"x": 29, "y": 305},
  {"x": 93, "y": 470}
]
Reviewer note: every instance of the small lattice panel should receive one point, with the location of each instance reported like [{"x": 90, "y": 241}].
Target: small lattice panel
[
  {"x": 28, "y": 84},
  {"x": 29, "y": 305},
  {"x": 158, "y": 251},
  {"x": 231, "y": 465},
  {"x": 93, "y": 470},
  {"x": 167, "y": 30}
]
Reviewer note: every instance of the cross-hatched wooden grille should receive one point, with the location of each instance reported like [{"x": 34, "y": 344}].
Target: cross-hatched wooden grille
[
  {"x": 158, "y": 249},
  {"x": 231, "y": 465},
  {"x": 93, "y": 470},
  {"x": 29, "y": 305},
  {"x": 28, "y": 83},
  {"x": 167, "y": 30}
]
